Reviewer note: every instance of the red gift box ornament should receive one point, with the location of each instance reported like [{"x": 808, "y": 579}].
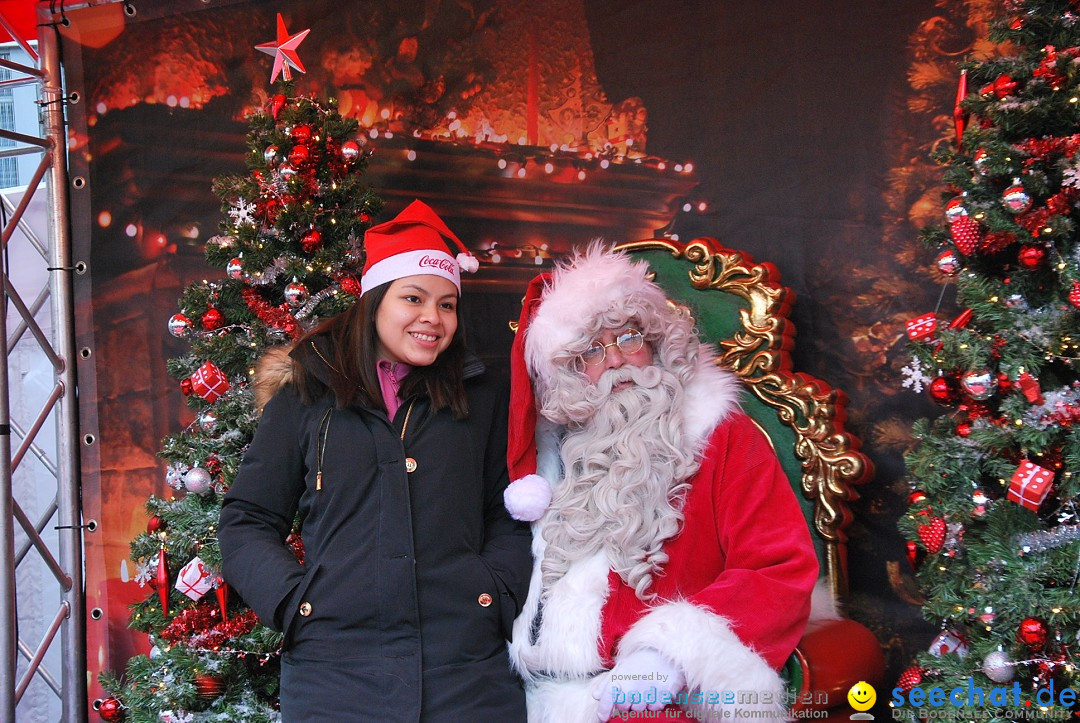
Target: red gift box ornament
[
  {"x": 194, "y": 579},
  {"x": 949, "y": 641},
  {"x": 209, "y": 382},
  {"x": 1030, "y": 484},
  {"x": 922, "y": 328}
]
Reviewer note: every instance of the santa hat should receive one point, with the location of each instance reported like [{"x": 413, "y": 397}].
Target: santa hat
[
  {"x": 558, "y": 310},
  {"x": 413, "y": 242}
]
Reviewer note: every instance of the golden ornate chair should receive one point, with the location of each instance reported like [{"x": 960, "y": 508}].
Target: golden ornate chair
[{"x": 742, "y": 308}]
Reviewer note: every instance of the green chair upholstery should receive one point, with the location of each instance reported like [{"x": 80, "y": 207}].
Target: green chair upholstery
[{"x": 742, "y": 308}]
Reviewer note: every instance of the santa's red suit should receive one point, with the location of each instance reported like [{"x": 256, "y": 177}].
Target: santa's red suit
[{"x": 733, "y": 599}]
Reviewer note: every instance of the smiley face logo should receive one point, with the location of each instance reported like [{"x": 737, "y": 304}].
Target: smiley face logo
[{"x": 862, "y": 696}]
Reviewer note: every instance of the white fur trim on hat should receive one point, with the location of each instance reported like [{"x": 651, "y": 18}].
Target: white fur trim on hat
[
  {"x": 527, "y": 499},
  {"x": 412, "y": 263},
  {"x": 591, "y": 283}
]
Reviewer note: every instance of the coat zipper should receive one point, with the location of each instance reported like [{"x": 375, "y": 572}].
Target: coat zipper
[{"x": 324, "y": 432}]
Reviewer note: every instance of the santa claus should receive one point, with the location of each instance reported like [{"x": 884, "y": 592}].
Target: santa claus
[{"x": 673, "y": 567}]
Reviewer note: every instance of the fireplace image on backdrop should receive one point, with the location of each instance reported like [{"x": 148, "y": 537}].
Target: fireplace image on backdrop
[{"x": 516, "y": 145}]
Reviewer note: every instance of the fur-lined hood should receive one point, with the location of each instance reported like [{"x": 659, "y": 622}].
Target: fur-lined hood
[{"x": 274, "y": 370}]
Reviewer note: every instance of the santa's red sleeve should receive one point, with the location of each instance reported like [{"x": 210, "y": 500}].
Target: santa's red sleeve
[{"x": 738, "y": 628}]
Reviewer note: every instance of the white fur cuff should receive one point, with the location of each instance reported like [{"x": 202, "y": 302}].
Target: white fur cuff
[{"x": 725, "y": 671}]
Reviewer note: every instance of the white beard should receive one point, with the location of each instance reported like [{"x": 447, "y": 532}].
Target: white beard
[{"x": 627, "y": 467}]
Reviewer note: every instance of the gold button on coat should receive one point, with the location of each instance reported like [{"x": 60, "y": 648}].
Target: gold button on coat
[
  {"x": 305, "y": 608},
  {"x": 484, "y": 600}
]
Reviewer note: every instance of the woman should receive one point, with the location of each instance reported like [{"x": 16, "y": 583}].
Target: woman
[{"x": 389, "y": 439}]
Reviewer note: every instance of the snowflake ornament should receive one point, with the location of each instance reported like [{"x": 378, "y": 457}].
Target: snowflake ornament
[
  {"x": 1070, "y": 177},
  {"x": 143, "y": 573},
  {"x": 242, "y": 213},
  {"x": 915, "y": 377}
]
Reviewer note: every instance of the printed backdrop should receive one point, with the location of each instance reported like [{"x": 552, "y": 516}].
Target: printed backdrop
[{"x": 796, "y": 131}]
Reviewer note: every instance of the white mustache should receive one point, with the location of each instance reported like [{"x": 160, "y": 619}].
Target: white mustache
[{"x": 648, "y": 376}]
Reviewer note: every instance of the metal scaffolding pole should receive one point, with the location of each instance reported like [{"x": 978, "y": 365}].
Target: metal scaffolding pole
[{"x": 61, "y": 556}]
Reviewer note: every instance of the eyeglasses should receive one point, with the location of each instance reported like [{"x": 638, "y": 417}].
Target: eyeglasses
[{"x": 629, "y": 341}]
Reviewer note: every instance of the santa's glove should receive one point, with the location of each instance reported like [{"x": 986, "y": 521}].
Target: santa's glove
[{"x": 642, "y": 680}]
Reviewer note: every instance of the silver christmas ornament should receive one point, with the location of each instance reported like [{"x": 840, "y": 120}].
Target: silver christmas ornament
[
  {"x": 197, "y": 481},
  {"x": 979, "y": 384},
  {"x": 1016, "y": 199},
  {"x": 998, "y": 667},
  {"x": 296, "y": 294}
]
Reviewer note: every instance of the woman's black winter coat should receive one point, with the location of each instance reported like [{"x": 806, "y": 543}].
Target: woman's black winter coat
[{"x": 410, "y": 583}]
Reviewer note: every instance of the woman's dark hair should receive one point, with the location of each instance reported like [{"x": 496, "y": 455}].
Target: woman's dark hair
[{"x": 351, "y": 352}]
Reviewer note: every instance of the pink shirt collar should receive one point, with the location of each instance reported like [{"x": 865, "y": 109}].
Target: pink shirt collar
[{"x": 390, "y": 376}]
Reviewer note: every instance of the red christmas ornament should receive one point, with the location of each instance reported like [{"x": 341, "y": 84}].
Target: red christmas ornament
[
  {"x": 961, "y": 321},
  {"x": 922, "y": 328},
  {"x": 235, "y": 268},
  {"x": 942, "y": 390},
  {"x": 1074, "y": 294},
  {"x": 186, "y": 387},
  {"x": 301, "y": 133},
  {"x": 111, "y": 710},
  {"x": 916, "y": 497},
  {"x": 955, "y": 208},
  {"x": 932, "y": 534},
  {"x": 350, "y": 151},
  {"x": 959, "y": 116},
  {"x": 966, "y": 234},
  {"x": 209, "y": 382},
  {"x": 948, "y": 263},
  {"x": 1030, "y": 485},
  {"x": 299, "y": 155},
  {"x": 1029, "y": 385},
  {"x": 1005, "y": 384},
  {"x": 154, "y": 524},
  {"x": 910, "y": 678},
  {"x": 1032, "y": 633},
  {"x": 915, "y": 554},
  {"x": 980, "y": 159},
  {"x": 1031, "y": 257},
  {"x": 276, "y": 104},
  {"x": 209, "y": 686},
  {"x": 222, "y": 594},
  {"x": 212, "y": 319},
  {"x": 963, "y": 429},
  {"x": 311, "y": 241},
  {"x": 1001, "y": 87},
  {"x": 163, "y": 581}
]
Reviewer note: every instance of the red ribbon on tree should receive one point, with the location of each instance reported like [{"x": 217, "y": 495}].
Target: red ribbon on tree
[{"x": 272, "y": 316}]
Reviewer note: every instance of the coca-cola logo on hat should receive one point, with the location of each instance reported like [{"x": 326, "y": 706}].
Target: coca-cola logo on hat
[{"x": 442, "y": 264}]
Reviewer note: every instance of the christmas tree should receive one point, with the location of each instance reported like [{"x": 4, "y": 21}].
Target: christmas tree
[
  {"x": 290, "y": 246},
  {"x": 993, "y": 525}
]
